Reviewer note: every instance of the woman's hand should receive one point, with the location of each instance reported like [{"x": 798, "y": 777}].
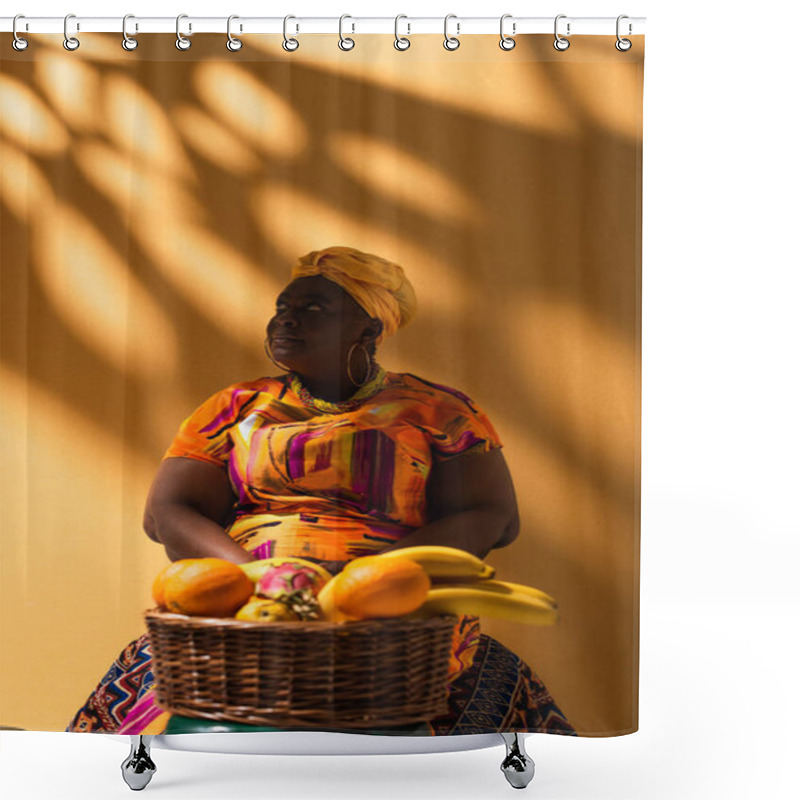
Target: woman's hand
[
  {"x": 186, "y": 508},
  {"x": 471, "y": 505}
]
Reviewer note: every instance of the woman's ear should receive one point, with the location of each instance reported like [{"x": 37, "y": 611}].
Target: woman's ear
[{"x": 372, "y": 331}]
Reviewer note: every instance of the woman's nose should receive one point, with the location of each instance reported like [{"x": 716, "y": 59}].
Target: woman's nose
[{"x": 285, "y": 319}]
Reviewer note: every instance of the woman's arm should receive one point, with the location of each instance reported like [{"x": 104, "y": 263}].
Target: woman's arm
[
  {"x": 471, "y": 505},
  {"x": 186, "y": 508}
]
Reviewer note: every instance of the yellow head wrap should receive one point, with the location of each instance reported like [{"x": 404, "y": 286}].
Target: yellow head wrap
[{"x": 379, "y": 286}]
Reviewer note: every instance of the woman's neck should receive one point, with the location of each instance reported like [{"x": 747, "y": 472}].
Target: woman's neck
[
  {"x": 331, "y": 390},
  {"x": 335, "y": 389}
]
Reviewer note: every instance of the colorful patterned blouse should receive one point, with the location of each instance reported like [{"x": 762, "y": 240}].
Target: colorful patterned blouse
[
  {"x": 333, "y": 481},
  {"x": 331, "y": 484}
]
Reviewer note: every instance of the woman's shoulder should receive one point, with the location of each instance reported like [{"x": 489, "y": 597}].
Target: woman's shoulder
[
  {"x": 428, "y": 391},
  {"x": 458, "y": 425},
  {"x": 241, "y": 390},
  {"x": 265, "y": 383}
]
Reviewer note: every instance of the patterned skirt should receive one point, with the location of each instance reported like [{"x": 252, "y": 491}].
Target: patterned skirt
[{"x": 498, "y": 692}]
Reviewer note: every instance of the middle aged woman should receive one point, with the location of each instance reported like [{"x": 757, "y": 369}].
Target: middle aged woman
[{"x": 333, "y": 459}]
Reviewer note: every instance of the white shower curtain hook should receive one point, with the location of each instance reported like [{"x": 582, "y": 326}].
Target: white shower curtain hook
[
  {"x": 290, "y": 45},
  {"x": 400, "y": 42},
  {"x": 70, "y": 42},
  {"x": 506, "y": 42},
  {"x": 561, "y": 43},
  {"x": 19, "y": 43},
  {"x": 128, "y": 42},
  {"x": 451, "y": 42},
  {"x": 345, "y": 43},
  {"x": 182, "y": 43},
  {"x": 623, "y": 45},
  {"x": 233, "y": 44}
]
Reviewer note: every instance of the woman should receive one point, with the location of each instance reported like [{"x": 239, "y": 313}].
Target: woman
[{"x": 334, "y": 459}]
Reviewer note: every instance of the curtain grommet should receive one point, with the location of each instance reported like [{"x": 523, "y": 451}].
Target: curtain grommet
[
  {"x": 400, "y": 42},
  {"x": 71, "y": 43},
  {"x": 19, "y": 44},
  {"x": 345, "y": 42},
  {"x": 128, "y": 42},
  {"x": 623, "y": 45},
  {"x": 451, "y": 43},
  {"x": 233, "y": 44},
  {"x": 506, "y": 42},
  {"x": 560, "y": 43},
  {"x": 182, "y": 43},
  {"x": 289, "y": 44}
]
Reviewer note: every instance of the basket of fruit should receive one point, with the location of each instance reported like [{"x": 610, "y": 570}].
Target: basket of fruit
[{"x": 281, "y": 642}]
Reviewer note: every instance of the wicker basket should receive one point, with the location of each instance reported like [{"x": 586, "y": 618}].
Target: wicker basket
[{"x": 365, "y": 674}]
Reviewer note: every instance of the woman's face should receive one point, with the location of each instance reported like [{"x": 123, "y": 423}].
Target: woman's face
[{"x": 315, "y": 324}]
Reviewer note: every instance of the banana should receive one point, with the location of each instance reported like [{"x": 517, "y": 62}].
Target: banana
[
  {"x": 494, "y": 602},
  {"x": 255, "y": 569},
  {"x": 448, "y": 563},
  {"x": 504, "y": 587}
]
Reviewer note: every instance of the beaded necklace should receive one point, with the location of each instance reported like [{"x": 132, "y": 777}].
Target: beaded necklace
[{"x": 373, "y": 385}]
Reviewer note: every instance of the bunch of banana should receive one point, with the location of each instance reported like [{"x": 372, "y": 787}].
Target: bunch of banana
[
  {"x": 511, "y": 601},
  {"x": 463, "y": 584},
  {"x": 448, "y": 564}
]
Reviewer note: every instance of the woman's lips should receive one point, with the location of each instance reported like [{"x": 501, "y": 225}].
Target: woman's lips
[{"x": 286, "y": 341}]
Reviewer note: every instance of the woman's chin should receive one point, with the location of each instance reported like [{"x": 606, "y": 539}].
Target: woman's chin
[
  {"x": 283, "y": 361},
  {"x": 285, "y": 352}
]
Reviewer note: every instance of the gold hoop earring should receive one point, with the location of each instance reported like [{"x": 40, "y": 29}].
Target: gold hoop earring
[
  {"x": 369, "y": 364},
  {"x": 272, "y": 358}
]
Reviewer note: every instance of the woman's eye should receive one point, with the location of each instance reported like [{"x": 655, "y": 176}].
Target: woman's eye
[{"x": 281, "y": 307}]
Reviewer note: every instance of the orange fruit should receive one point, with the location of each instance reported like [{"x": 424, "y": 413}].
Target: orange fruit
[
  {"x": 206, "y": 587},
  {"x": 371, "y": 587},
  {"x": 161, "y": 580}
]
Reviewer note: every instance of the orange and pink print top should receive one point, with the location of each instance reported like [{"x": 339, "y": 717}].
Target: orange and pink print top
[{"x": 331, "y": 481}]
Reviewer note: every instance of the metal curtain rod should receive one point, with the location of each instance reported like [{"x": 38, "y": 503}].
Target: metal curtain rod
[{"x": 457, "y": 26}]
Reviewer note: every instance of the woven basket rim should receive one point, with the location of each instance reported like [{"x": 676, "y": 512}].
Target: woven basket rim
[{"x": 293, "y": 625}]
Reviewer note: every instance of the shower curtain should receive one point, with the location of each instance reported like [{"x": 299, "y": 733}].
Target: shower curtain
[{"x": 154, "y": 203}]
